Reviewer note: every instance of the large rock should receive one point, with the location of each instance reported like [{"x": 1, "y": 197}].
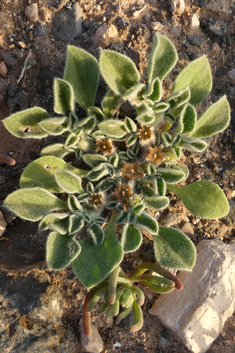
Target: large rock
[
  {"x": 197, "y": 313},
  {"x": 30, "y": 316},
  {"x": 226, "y": 6},
  {"x": 67, "y": 25}
]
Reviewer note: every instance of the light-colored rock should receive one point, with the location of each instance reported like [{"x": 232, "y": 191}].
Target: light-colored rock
[
  {"x": 92, "y": 343},
  {"x": 31, "y": 12},
  {"x": 157, "y": 26},
  {"x": 21, "y": 44},
  {"x": 105, "y": 35},
  {"x": 2, "y": 224},
  {"x": 197, "y": 313},
  {"x": 232, "y": 74},
  {"x": 3, "y": 68},
  {"x": 194, "y": 21},
  {"x": 226, "y": 6},
  {"x": 177, "y": 7}
]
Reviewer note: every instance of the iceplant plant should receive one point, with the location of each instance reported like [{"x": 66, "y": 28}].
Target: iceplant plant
[{"x": 131, "y": 165}]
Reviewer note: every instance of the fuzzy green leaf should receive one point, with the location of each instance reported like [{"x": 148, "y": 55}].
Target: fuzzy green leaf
[
  {"x": 133, "y": 239},
  {"x": 196, "y": 76},
  {"x": 158, "y": 202},
  {"x": 56, "y": 150},
  {"x": 32, "y": 204},
  {"x": 72, "y": 140},
  {"x": 119, "y": 71},
  {"x": 73, "y": 204},
  {"x": 95, "y": 263},
  {"x": 97, "y": 113},
  {"x": 113, "y": 128},
  {"x": 110, "y": 103},
  {"x": 132, "y": 93},
  {"x": 130, "y": 125},
  {"x": 148, "y": 223},
  {"x": 193, "y": 144},
  {"x": 146, "y": 117},
  {"x": 41, "y": 173},
  {"x": 177, "y": 99},
  {"x": 25, "y": 124},
  {"x": 162, "y": 59},
  {"x": 63, "y": 97},
  {"x": 54, "y": 126},
  {"x": 61, "y": 250},
  {"x": 154, "y": 90},
  {"x": 171, "y": 176},
  {"x": 173, "y": 249},
  {"x": 187, "y": 120},
  {"x": 96, "y": 233},
  {"x": 82, "y": 72},
  {"x": 97, "y": 172},
  {"x": 55, "y": 221},
  {"x": 93, "y": 160},
  {"x": 76, "y": 223},
  {"x": 203, "y": 198},
  {"x": 184, "y": 169},
  {"x": 215, "y": 119},
  {"x": 68, "y": 181}
]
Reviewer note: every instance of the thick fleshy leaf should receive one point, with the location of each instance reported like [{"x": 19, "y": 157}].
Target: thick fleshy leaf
[
  {"x": 56, "y": 150},
  {"x": 173, "y": 249},
  {"x": 95, "y": 263},
  {"x": 68, "y": 181},
  {"x": 82, "y": 72},
  {"x": 184, "y": 169},
  {"x": 196, "y": 76},
  {"x": 61, "y": 250},
  {"x": 73, "y": 204},
  {"x": 93, "y": 160},
  {"x": 203, "y": 198},
  {"x": 54, "y": 126},
  {"x": 24, "y": 124},
  {"x": 33, "y": 203},
  {"x": 41, "y": 173},
  {"x": 148, "y": 223},
  {"x": 63, "y": 97},
  {"x": 97, "y": 113},
  {"x": 133, "y": 239},
  {"x": 171, "y": 176},
  {"x": 55, "y": 221},
  {"x": 110, "y": 103},
  {"x": 88, "y": 124},
  {"x": 119, "y": 71},
  {"x": 215, "y": 119},
  {"x": 158, "y": 202},
  {"x": 162, "y": 59},
  {"x": 72, "y": 140},
  {"x": 113, "y": 128}
]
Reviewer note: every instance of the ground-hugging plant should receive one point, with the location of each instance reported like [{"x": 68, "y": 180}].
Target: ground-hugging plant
[{"x": 130, "y": 165}]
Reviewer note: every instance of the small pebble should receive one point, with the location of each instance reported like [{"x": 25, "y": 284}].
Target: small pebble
[
  {"x": 232, "y": 74},
  {"x": 195, "y": 40},
  {"x": 21, "y": 44},
  {"x": 157, "y": 26},
  {"x": 3, "y": 68},
  {"x": 105, "y": 35},
  {"x": 31, "y": 12},
  {"x": 194, "y": 21}
]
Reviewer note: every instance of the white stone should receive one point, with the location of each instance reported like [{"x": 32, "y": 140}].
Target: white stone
[
  {"x": 92, "y": 343},
  {"x": 226, "y": 6},
  {"x": 157, "y": 26},
  {"x": 232, "y": 74},
  {"x": 105, "y": 35},
  {"x": 194, "y": 21},
  {"x": 197, "y": 313},
  {"x": 177, "y": 6}
]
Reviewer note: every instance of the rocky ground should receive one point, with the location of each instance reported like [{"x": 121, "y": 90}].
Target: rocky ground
[{"x": 33, "y": 43}]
